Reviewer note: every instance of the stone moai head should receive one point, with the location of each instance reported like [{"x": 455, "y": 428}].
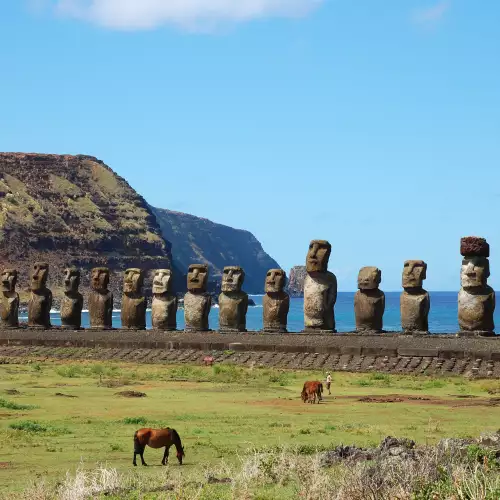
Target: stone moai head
[
  {"x": 232, "y": 279},
  {"x": 197, "y": 278},
  {"x": 9, "y": 280},
  {"x": 39, "y": 276},
  {"x": 275, "y": 281},
  {"x": 369, "y": 278},
  {"x": 475, "y": 269},
  {"x": 162, "y": 281},
  {"x": 71, "y": 279},
  {"x": 133, "y": 280},
  {"x": 317, "y": 256},
  {"x": 414, "y": 273},
  {"x": 99, "y": 279}
]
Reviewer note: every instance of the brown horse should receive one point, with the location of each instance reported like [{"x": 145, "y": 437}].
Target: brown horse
[
  {"x": 157, "y": 438},
  {"x": 310, "y": 390}
]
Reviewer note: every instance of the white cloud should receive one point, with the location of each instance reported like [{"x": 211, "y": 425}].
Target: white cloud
[
  {"x": 189, "y": 14},
  {"x": 432, "y": 15}
]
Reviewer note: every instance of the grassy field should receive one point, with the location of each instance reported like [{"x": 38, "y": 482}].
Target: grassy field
[{"x": 54, "y": 416}]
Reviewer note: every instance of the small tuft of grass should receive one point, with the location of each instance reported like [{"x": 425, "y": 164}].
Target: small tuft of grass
[
  {"x": 10, "y": 405},
  {"x": 135, "y": 420},
  {"x": 34, "y": 427}
]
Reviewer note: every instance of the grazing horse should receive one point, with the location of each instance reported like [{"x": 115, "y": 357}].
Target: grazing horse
[
  {"x": 310, "y": 390},
  {"x": 157, "y": 438}
]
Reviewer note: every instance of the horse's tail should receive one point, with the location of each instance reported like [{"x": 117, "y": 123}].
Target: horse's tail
[
  {"x": 138, "y": 446},
  {"x": 177, "y": 441}
]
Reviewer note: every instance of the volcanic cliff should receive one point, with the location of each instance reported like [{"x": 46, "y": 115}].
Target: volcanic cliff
[
  {"x": 195, "y": 239},
  {"x": 74, "y": 211}
]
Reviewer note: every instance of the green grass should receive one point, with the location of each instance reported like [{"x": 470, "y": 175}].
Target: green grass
[{"x": 220, "y": 412}]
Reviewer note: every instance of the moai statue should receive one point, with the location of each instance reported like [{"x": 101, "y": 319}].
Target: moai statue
[
  {"x": 276, "y": 302},
  {"x": 476, "y": 300},
  {"x": 415, "y": 301},
  {"x": 197, "y": 301},
  {"x": 100, "y": 300},
  {"x": 164, "y": 306},
  {"x": 40, "y": 301},
  {"x": 133, "y": 301},
  {"x": 320, "y": 289},
  {"x": 72, "y": 302},
  {"x": 369, "y": 301},
  {"x": 9, "y": 305},
  {"x": 233, "y": 302}
]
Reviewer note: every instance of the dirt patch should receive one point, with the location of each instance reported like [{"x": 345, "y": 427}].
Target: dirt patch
[
  {"x": 60, "y": 394},
  {"x": 368, "y": 399},
  {"x": 131, "y": 394},
  {"x": 5, "y": 465},
  {"x": 12, "y": 392}
]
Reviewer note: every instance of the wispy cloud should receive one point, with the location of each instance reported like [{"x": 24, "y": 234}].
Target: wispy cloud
[
  {"x": 430, "y": 16},
  {"x": 187, "y": 14}
]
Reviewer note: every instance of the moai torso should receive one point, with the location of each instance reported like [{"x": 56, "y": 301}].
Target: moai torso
[
  {"x": 72, "y": 302},
  {"x": 164, "y": 305},
  {"x": 276, "y": 302},
  {"x": 197, "y": 302},
  {"x": 476, "y": 300},
  {"x": 100, "y": 300},
  {"x": 133, "y": 313},
  {"x": 369, "y": 301},
  {"x": 414, "y": 301},
  {"x": 233, "y": 302},
  {"x": 320, "y": 289},
  {"x": 40, "y": 301},
  {"x": 9, "y": 303}
]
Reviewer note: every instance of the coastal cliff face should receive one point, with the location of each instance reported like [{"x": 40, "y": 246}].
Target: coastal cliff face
[
  {"x": 198, "y": 240},
  {"x": 74, "y": 211},
  {"x": 296, "y": 281}
]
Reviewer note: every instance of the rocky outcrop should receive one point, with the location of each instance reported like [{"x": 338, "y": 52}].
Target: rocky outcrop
[
  {"x": 74, "y": 211},
  {"x": 197, "y": 240},
  {"x": 296, "y": 281}
]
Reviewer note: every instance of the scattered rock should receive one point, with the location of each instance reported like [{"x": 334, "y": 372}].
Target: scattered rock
[
  {"x": 12, "y": 392},
  {"x": 64, "y": 395},
  {"x": 215, "y": 480},
  {"x": 131, "y": 394},
  {"x": 490, "y": 439}
]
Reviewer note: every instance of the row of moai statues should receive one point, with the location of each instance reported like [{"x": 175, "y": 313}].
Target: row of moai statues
[{"x": 476, "y": 300}]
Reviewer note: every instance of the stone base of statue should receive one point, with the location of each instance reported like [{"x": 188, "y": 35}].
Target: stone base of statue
[
  {"x": 133, "y": 328},
  {"x": 39, "y": 327},
  {"x": 309, "y": 330},
  {"x": 369, "y": 331},
  {"x": 416, "y": 333},
  {"x": 72, "y": 328},
  {"x": 226, "y": 329},
  {"x": 189, "y": 329},
  {"x": 275, "y": 329},
  {"x": 97, "y": 327},
  {"x": 476, "y": 333},
  {"x": 164, "y": 329}
]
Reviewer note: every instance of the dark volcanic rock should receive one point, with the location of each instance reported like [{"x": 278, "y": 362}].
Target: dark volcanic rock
[
  {"x": 196, "y": 240},
  {"x": 296, "y": 279},
  {"x": 474, "y": 246},
  {"x": 74, "y": 211}
]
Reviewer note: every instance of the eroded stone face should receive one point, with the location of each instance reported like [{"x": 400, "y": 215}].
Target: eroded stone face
[
  {"x": 72, "y": 302},
  {"x": 197, "y": 278},
  {"x": 9, "y": 280},
  {"x": 133, "y": 281},
  {"x": 414, "y": 273},
  {"x": 318, "y": 256},
  {"x": 232, "y": 279},
  {"x": 474, "y": 272},
  {"x": 369, "y": 278},
  {"x": 9, "y": 300},
  {"x": 39, "y": 276},
  {"x": 99, "y": 279},
  {"x": 275, "y": 281},
  {"x": 40, "y": 301},
  {"x": 162, "y": 281}
]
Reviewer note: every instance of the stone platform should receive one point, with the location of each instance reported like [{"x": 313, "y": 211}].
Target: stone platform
[{"x": 390, "y": 352}]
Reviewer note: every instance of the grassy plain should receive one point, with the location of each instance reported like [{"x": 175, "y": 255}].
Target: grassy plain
[{"x": 220, "y": 413}]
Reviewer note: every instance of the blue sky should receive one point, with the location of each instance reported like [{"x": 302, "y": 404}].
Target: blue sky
[{"x": 374, "y": 124}]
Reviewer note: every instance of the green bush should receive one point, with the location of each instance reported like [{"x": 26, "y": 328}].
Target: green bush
[
  {"x": 10, "y": 405},
  {"x": 135, "y": 420}
]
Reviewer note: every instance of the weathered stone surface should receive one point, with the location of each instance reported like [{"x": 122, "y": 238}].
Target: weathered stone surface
[
  {"x": 100, "y": 299},
  {"x": 133, "y": 312},
  {"x": 164, "y": 305},
  {"x": 476, "y": 300},
  {"x": 276, "y": 302},
  {"x": 197, "y": 301},
  {"x": 474, "y": 246},
  {"x": 233, "y": 302},
  {"x": 72, "y": 301},
  {"x": 369, "y": 301},
  {"x": 415, "y": 301},
  {"x": 296, "y": 280},
  {"x": 9, "y": 303},
  {"x": 40, "y": 301},
  {"x": 320, "y": 289}
]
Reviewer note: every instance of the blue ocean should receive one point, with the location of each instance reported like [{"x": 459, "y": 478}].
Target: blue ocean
[{"x": 442, "y": 317}]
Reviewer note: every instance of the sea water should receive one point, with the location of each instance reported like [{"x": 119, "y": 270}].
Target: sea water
[{"x": 442, "y": 317}]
